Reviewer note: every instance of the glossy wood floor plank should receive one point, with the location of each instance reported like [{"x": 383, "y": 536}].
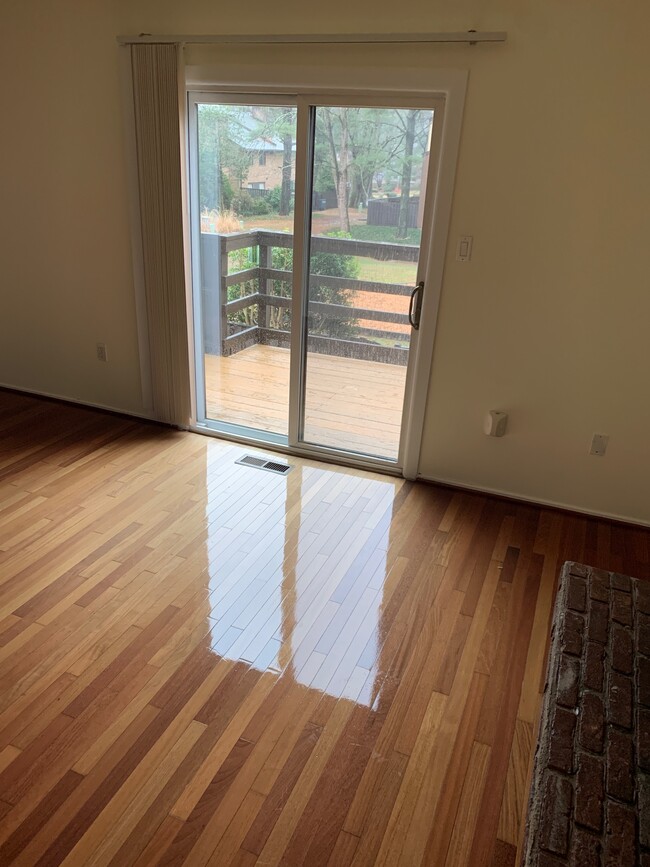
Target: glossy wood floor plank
[{"x": 205, "y": 664}]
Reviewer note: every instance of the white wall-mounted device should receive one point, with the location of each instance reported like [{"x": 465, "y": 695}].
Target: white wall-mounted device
[
  {"x": 496, "y": 423},
  {"x": 599, "y": 445}
]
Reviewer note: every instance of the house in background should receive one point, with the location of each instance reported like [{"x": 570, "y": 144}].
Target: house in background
[
  {"x": 267, "y": 153},
  {"x": 267, "y": 161}
]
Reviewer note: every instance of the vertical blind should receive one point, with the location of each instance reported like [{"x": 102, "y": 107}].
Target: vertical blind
[{"x": 155, "y": 72}]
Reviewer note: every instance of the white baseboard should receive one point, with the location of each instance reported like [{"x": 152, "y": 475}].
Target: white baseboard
[
  {"x": 68, "y": 399},
  {"x": 534, "y": 501},
  {"x": 453, "y": 483}
]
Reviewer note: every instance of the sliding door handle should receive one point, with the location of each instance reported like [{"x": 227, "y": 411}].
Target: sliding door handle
[{"x": 415, "y": 306}]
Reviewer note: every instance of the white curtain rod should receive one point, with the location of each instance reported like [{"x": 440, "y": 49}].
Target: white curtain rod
[{"x": 470, "y": 36}]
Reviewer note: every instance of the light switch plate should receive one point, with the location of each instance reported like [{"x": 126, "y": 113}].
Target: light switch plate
[{"x": 464, "y": 248}]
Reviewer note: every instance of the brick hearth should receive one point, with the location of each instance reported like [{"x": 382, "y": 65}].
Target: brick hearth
[{"x": 590, "y": 796}]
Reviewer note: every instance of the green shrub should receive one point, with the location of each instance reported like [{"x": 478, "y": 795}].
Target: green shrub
[
  {"x": 226, "y": 192},
  {"x": 324, "y": 264},
  {"x": 242, "y": 204},
  {"x": 273, "y": 199},
  {"x": 246, "y": 205},
  {"x": 260, "y": 207},
  {"x": 241, "y": 260}
]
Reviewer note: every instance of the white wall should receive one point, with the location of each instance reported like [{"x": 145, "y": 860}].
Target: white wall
[
  {"x": 65, "y": 269},
  {"x": 549, "y": 321}
]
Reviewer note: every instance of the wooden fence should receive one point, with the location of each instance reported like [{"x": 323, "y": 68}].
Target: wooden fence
[{"x": 385, "y": 212}]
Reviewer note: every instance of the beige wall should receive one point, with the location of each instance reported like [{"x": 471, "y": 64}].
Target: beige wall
[
  {"x": 549, "y": 320},
  {"x": 65, "y": 270},
  {"x": 270, "y": 174}
]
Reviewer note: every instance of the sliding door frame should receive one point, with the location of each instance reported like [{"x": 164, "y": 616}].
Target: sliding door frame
[{"x": 446, "y": 99}]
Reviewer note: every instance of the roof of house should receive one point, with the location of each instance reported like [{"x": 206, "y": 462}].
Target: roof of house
[{"x": 249, "y": 137}]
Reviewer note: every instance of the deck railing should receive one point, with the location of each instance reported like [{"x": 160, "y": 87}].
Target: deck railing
[{"x": 261, "y": 301}]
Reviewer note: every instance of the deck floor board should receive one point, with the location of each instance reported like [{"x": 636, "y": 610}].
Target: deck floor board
[{"x": 351, "y": 404}]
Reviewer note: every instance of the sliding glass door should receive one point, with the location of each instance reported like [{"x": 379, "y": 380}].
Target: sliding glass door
[
  {"x": 364, "y": 251},
  {"x": 243, "y": 190},
  {"x": 310, "y": 219}
]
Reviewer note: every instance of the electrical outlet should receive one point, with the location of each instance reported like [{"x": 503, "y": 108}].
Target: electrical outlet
[
  {"x": 599, "y": 445},
  {"x": 102, "y": 354}
]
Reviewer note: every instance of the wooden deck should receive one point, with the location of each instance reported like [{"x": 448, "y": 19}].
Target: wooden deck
[
  {"x": 350, "y": 404},
  {"x": 204, "y": 664}
]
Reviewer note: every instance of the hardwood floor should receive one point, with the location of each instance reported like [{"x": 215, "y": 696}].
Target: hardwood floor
[
  {"x": 202, "y": 663},
  {"x": 350, "y": 403}
]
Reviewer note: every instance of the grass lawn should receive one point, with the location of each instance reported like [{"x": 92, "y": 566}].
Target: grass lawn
[
  {"x": 386, "y": 272},
  {"x": 369, "y": 269},
  {"x": 385, "y": 234}
]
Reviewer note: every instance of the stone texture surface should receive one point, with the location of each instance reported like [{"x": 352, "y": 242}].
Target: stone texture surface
[
  {"x": 590, "y": 797},
  {"x": 619, "y": 700},
  {"x": 561, "y": 750},
  {"x": 594, "y": 666},
  {"x": 598, "y": 622},
  {"x": 590, "y": 792},
  {"x": 568, "y": 681}
]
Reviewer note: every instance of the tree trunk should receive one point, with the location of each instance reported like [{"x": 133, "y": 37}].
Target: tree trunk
[
  {"x": 285, "y": 193},
  {"x": 343, "y": 173},
  {"x": 409, "y": 142},
  {"x": 357, "y": 192}
]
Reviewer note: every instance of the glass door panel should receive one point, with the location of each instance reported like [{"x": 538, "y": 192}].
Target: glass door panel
[
  {"x": 244, "y": 194},
  {"x": 367, "y": 204}
]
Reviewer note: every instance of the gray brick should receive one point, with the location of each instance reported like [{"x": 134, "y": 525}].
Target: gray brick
[
  {"x": 643, "y": 670},
  {"x": 577, "y": 594},
  {"x": 620, "y": 834},
  {"x": 642, "y": 595},
  {"x": 572, "y": 632},
  {"x": 563, "y": 727},
  {"x": 586, "y": 849},
  {"x": 568, "y": 681},
  {"x": 598, "y": 622},
  {"x": 643, "y": 738},
  {"x": 592, "y": 723},
  {"x": 621, "y": 582},
  {"x": 590, "y": 792},
  {"x": 594, "y": 672},
  {"x": 622, "y": 650},
  {"x": 621, "y": 608},
  {"x": 619, "y": 700},
  {"x": 554, "y": 829},
  {"x": 644, "y": 809},
  {"x": 599, "y": 585},
  {"x": 620, "y": 766},
  {"x": 643, "y": 633},
  {"x": 593, "y": 794}
]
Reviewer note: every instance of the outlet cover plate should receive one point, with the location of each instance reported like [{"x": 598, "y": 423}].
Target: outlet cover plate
[{"x": 599, "y": 445}]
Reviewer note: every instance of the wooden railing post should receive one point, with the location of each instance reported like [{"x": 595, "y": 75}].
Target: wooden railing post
[
  {"x": 264, "y": 285},
  {"x": 223, "y": 292}
]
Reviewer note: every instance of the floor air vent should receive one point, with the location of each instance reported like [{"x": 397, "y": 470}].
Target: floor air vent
[{"x": 264, "y": 464}]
